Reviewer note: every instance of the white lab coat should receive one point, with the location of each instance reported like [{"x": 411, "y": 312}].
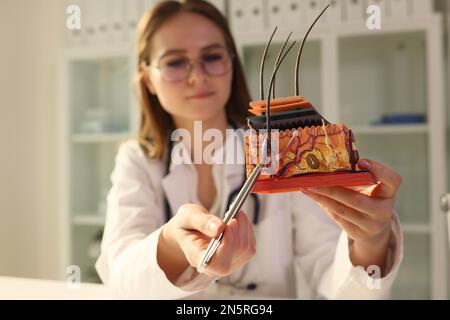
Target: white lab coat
[{"x": 300, "y": 252}]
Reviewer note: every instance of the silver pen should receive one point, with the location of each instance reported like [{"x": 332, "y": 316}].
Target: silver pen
[{"x": 235, "y": 207}]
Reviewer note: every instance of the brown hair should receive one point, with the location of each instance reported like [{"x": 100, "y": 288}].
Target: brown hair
[{"x": 156, "y": 124}]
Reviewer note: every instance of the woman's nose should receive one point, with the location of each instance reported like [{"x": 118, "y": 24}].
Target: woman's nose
[{"x": 197, "y": 73}]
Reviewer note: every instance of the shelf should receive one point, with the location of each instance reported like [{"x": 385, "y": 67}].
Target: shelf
[
  {"x": 383, "y": 75},
  {"x": 99, "y": 95},
  {"x": 342, "y": 30},
  {"x": 391, "y": 129},
  {"x": 89, "y": 220},
  {"x": 91, "y": 168},
  {"x": 259, "y": 38},
  {"x": 100, "y": 137},
  {"x": 395, "y": 151}
]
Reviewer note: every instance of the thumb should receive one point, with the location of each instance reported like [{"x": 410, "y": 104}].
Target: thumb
[
  {"x": 389, "y": 181},
  {"x": 194, "y": 217},
  {"x": 211, "y": 225}
]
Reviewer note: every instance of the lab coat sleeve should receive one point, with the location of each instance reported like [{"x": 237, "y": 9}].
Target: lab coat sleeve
[
  {"x": 127, "y": 265},
  {"x": 322, "y": 257}
]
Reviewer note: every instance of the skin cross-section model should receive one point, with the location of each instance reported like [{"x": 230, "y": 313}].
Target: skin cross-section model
[{"x": 311, "y": 152}]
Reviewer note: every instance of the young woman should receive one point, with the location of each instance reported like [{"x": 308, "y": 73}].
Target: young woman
[{"x": 323, "y": 243}]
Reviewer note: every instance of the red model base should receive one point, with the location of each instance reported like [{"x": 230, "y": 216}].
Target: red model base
[{"x": 315, "y": 180}]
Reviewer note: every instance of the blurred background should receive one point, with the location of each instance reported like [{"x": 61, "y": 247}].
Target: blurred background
[{"x": 67, "y": 102}]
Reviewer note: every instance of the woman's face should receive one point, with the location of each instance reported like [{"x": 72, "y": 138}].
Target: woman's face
[{"x": 189, "y": 38}]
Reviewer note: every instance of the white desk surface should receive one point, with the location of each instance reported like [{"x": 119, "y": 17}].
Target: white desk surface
[
  {"x": 27, "y": 289},
  {"x": 36, "y": 289}
]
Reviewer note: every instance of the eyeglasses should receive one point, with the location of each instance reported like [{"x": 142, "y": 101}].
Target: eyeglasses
[{"x": 177, "y": 67}]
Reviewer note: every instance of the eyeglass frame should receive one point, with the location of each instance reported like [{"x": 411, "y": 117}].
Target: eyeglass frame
[{"x": 231, "y": 56}]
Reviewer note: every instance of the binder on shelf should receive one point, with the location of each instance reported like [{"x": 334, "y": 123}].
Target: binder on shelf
[
  {"x": 294, "y": 13},
  {"x": 422, "y": 8},
  {"x": 276, "y": 15},
  {"x": 399, "y": 9},
  {"x": 313, "y": 9},
  {"x": 76, "y": 37},
  {"x": 239, "y": 16},
  {"x": 133, "y": 11},
  {"x": 101, "y": 20},
  {"x": 117, "y": 21},
  {"x": 355, "y": 11},
  {"x": 255, "y": 13},
  {"x": 90, "y": 23},
  {"x": 289, "y": 14},
  {"x": 334, "y": 14}
]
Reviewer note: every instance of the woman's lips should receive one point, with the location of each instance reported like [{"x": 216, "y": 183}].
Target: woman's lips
[{"x": 201, "y": 95}]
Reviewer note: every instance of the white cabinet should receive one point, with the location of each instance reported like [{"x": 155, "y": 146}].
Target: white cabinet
[
  {"x": 97, "y": 117},
  {"x": 99, "y": 112},
  {"x": 387, "y": 86}
]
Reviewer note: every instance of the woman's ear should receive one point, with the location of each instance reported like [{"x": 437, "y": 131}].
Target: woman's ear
[{"x": 143, "y": 70}]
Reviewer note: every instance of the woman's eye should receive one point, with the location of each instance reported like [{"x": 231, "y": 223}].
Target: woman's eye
[
  {"x": 177, "y": 63},
  {"x": 213, "y": 57}
]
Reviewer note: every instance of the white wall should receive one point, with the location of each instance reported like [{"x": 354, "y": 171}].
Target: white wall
[{"x": 30, "y": 32}]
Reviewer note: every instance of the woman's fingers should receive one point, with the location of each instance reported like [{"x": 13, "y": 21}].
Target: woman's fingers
[
  {"x": 247, "y": 243},
  {"x": 344, "y": 217},
  {"x": 221, "y": 262},
  {"x": 352, "y": 230},
  {"x": 193, "y": 244},
  {"x": 195, "y": 229},
  {"x": 238, "y": 244},
  {"x": 194, "y": 217},
  {"x": 379, "y": 209},
  {"x": 390, "y": 181},
  {"x": 339, "y": 211},
  {"x": 244, "y": 240}
]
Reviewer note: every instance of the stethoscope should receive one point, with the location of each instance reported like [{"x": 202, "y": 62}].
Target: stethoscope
[{"x": 231, "y": 196}]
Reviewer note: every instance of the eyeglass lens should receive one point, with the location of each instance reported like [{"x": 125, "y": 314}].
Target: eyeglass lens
[{"x": 215, "y": 62}]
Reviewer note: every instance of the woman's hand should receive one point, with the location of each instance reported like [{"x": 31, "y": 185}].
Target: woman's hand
[
  {"x": 365, "y": 215},
  {"x": 186, "y": 236}
]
